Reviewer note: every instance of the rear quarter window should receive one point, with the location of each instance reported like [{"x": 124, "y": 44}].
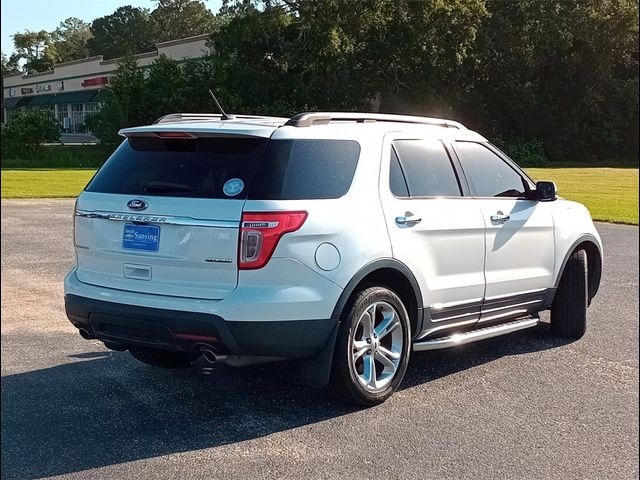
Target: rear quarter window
[{"x": 305, "y": 169}]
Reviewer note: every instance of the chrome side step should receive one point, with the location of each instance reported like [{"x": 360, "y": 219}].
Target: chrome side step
[{"x": 475, "y": 335}]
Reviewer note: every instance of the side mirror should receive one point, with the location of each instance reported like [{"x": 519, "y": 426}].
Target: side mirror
[{"x": 546, "y": 191}]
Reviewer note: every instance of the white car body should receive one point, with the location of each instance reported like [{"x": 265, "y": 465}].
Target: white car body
[{"x": 462, "y": 267}]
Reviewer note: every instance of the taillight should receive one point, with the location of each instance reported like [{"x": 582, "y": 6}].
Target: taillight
[{"x": 260, "y": 234}]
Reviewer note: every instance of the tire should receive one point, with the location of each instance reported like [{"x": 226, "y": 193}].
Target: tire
[
  {"x": 351, "y": 380},
  {"x": 569, "y": 307},
  {"x": 163, "y": 358}
]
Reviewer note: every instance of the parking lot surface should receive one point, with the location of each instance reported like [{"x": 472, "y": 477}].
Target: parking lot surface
[{"x": 523, "y": 406}]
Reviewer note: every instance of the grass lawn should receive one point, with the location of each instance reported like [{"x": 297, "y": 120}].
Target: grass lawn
[
  {"x": 611, "y": 194},
  {"x": 49, "y": 183}
]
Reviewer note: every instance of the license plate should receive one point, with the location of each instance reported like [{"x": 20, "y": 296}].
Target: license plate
[{"x": 141, "y": 237}]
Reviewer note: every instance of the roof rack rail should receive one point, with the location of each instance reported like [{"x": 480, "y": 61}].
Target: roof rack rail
[
  {"x": 186, "y": 117},
  {"x": 309, "y": 119}
]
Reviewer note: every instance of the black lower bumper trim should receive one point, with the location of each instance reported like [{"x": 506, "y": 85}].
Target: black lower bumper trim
[{"x": 179, "y": 330}]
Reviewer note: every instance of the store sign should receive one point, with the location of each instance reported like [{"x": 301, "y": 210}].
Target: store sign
[
  {"x": 60, "y": 85},
  {"x": 43, "y": 88},
  {"x": 25, "y": 90},
  {"x": 12, "y": 92},
  {"x": 93, "y": 82}
]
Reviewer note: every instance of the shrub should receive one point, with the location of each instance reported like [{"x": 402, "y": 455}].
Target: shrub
[{"x": 27, "y": 131}]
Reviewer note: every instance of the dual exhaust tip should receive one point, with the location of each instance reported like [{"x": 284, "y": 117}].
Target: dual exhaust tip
[{"x": 209, "y": 355}]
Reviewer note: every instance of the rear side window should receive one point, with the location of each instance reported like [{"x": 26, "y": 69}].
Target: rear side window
[
  {"x": 427, "y": 168},
  {"x": 199, "y": 168},
  {"x": 305, "y": 169},
  {"x": 489, "y": 175}
]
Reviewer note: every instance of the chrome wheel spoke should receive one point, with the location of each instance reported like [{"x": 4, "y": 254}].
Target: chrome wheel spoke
[
  {"x": 367, "y": 322},
  {"x": 388, "y": 353},
  {"x": 389, "y": 323},
  {"x": 360, "y": 344},
  {"x": 357, "y": 353},
  {"x": 387, "y": 362},
  {"x": 369, "y": 373}
]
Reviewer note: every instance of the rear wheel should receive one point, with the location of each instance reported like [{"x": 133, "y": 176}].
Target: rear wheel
[
  {"x": 569, "y": 308},
  {"x": 372, "y": 348},
  {"x": 163, "y": 358}
]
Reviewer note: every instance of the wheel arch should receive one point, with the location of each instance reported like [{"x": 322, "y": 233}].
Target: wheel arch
[
  {"x": 390, "y": 273},
  {"x": 590, "y": 245}
]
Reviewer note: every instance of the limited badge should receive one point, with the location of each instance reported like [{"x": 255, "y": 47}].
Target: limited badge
[{"x": 233, "y": 187}]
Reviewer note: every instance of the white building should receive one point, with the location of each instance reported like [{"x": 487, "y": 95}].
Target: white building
[{"x": 74, "y": 89}]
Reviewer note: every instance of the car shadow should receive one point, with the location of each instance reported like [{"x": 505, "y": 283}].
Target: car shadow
[{"x": 105, "y": 408}]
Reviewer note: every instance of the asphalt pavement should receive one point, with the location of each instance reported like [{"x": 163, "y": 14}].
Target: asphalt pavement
[{"x": 523, "y": 406}]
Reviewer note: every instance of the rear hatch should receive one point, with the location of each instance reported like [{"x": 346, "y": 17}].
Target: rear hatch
[{"x": 162, "y": 215}]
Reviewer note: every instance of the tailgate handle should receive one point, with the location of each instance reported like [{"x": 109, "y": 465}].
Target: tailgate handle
[{"x": 137, "y": 272}]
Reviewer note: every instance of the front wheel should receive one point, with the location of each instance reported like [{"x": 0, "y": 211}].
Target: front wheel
[
  {"x": 372, "y": 348},
  {"x": 163, "y": 358},
  {"x": 569, "y": 307}
]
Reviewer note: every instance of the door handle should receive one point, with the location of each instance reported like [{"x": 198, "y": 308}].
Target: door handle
[
  {"x": 408, "y": 219},
  {"x": 499, "y": 217}
]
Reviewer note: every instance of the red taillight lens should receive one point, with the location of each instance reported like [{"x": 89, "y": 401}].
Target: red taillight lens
[{"x": 260, "y": 234}]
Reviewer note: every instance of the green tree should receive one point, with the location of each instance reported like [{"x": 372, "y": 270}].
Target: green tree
[
  {"x": 337, "y": 54},
  {"x": 565, "y": 72},
  {"x": 164, "y": 88},
  {"x": 125, "y": 104},
  {"x": 10, "y": 64},
  {"x": 127, "y": 31},
  {"x": 32, "y": 46},
  {"x": 182, "y": 18},
  {"x": 69, "y": 40}
]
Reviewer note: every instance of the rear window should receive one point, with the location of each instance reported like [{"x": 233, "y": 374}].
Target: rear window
[
  {"x": 305, "y": 169},
  {"x": 230, "y": 168},
  {"x": 198, "y": 168}
]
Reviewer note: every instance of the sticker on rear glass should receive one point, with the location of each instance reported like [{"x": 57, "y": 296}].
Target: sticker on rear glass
[{"x": 233, "y": 187}]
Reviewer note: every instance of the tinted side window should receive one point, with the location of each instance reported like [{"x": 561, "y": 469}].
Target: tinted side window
[
  {"x": 305, "y": 169},
  {"x": 489, "y": 175},
  {"x": 397, "y": 182},
  {"x": 197, "y": 168},
  {"x": 427, "y": 168}
]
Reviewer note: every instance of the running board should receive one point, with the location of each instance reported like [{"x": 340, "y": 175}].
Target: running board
[{"x": 475, "y": 335}]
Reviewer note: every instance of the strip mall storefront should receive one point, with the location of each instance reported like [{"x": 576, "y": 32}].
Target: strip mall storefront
[
  {"x": 73, "y": 90},
  {"x": 70, "y": 109}
]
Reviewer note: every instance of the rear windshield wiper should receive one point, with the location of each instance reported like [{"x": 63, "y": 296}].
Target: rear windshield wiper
[{"x": 164, "y": 187}]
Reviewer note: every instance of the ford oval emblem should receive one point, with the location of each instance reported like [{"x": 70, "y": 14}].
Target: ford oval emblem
[{"x": 137, "y": 204}]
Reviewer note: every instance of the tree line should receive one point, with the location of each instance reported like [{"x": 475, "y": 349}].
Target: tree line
[{"x": 549, "y": 80}]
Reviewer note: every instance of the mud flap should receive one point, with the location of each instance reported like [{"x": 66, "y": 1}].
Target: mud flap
[{"x": 316, "y": 371}]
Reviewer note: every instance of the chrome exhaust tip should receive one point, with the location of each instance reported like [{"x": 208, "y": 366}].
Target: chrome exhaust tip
[
  {"x": 210, "y": 356},
  {"x": 84, "y": 333}
]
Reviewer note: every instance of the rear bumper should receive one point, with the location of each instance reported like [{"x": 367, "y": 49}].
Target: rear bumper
[{"x": 190, "y": 331}]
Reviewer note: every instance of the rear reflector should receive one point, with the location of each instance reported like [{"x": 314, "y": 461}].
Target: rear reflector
[
  {"x": 260, "y": 234},
  {"x": 194, "y": 337}
]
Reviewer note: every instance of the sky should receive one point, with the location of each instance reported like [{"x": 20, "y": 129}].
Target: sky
[{"x": 20, "y": 15}]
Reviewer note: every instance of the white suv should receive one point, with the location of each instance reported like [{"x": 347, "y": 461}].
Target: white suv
[{"x": 342, "y": 241}]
